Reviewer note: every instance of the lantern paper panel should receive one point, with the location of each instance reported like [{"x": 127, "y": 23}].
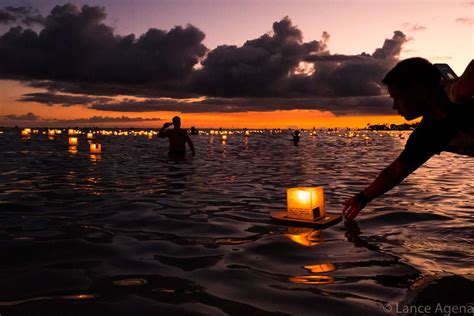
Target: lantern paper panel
[{"x": 305, "y": 203}]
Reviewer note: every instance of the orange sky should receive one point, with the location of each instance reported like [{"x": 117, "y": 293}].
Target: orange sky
[{"x": 10, "y": 91}]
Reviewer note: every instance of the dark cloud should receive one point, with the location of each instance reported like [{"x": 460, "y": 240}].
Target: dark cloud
[
  {"x": 466, "y": 20},
  {"x": 340, "y": 106},
  {"x": 60, "y": 99},
  {"x": 92, "y": 120},
  {"x": 106, "y": 119},
  {"x": 6, "y": 17},
  {"x": 76, "y": 54},
  {"x": 75, "y": 46},
  {"x": 258, "y": 68},
  {"x": 25, "y": 117},
  {"x": 18, "y": 10},
  {"x": 21, "y": 15},
  {"x": 34, "y": 19}
]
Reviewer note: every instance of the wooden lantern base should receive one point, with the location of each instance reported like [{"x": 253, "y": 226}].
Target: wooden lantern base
[{"x": 328, "y": 220}]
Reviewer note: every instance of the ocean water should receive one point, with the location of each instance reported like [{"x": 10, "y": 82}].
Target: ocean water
[{"x": 131, "y": 233}]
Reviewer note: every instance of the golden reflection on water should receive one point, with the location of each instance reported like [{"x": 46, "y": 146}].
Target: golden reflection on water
[
  {"x": 304, "y": 236},
  {"x": 130, "y": 282},
  {"x": 72, "y": 150},
  {"x": 95, "y": 157},
  {"x": 312, "y": 279},
  {"x": 309, "y": 237}
]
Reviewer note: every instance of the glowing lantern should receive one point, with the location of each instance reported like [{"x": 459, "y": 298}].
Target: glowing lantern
[
  {"x": 224, "y": 138},
  {"x": 72, "y": 141},
  {"x": 51, "y": 132},
  {"x": 321, "y": 268},
  {"x": 95, "y": 149},
  {"x": 25, "y": 133},
  {"x": 58, "y": 131},
  {"x": 71, "y": 132},
  {"x": 90, "y": 136},
  {"x": 247, "y": 133},
  {"x": 305, "y": 203}
]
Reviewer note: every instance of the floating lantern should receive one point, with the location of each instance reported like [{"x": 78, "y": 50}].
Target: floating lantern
[
  {"x": 247, "y": 133},
  {"x": 305, "y": 203},
  {"x": 58, "y": 131},
  {"x": 25, "y": 133},
  {"x": 95, "y": 149},
  {"x": 51, "y": 132},
  {"x": 28, "y": 130},
  {"x": 321, "y": 268},
  {"x": 72, "y": 141},
  {"x": 224, "y": 138},
  {"x": 71, "y": 132},
  {"x": 90, "y": 136}
]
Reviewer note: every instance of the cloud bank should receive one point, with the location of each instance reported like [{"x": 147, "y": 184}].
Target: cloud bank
[{"x": 79, "y": 60}]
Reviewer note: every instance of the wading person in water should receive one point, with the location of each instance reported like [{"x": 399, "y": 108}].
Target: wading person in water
[
  {"x": 178, "y": 138},
  {"x": 447, "y": 107}
]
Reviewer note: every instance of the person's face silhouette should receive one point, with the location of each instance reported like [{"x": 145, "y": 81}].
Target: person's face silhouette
[
  {"x": 176, "y": 122},
  {"x": 410, "y": 105}
]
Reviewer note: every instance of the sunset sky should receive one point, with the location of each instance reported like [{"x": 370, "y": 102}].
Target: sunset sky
[{"x": 266, "y": 63}]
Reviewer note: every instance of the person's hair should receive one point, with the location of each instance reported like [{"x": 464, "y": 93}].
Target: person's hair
[
  {"x": 176, "y": 118},
  {"x": 413, "y": 72}
]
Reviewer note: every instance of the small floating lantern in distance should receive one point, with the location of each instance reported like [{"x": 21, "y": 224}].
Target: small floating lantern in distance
[
  {"x": 95, "y": 149},
  {"x": 25, "y": 133},
  {"x": 72, "y": 141},
  {"x": 51, "y": 132},
  {"x": 224, "y": 137},
  {"x": 247, "y": 133},
  {"x": 90, "y": 135},
  {"x": 71, "y": 132},
  {"x": 305, "y": 203}
]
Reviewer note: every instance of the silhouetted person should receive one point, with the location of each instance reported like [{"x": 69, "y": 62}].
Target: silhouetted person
[
  {"x": 178, "y": 138},
  {"x": 417, "y": 89},
  {"x": 194, "y": 131},
  {"x": 296, "y": 137}
]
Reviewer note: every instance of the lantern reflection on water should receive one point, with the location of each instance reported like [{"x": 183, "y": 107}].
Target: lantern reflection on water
[
  {"x": 312, "y": 279},
  {"x": 305, "y": 203},
  {"x": 307, "y": 237},
  {"x": 72, "y": 149}
]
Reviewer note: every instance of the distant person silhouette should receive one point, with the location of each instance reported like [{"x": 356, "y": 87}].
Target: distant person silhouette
[
  {"x": 296, "y": 137},
  {"x": 447, "y": 107},
  {"x": 178, "y": 138},
  {"x": 194, "y": 131}
]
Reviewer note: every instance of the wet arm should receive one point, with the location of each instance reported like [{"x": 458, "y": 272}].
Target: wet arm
[{"x": 391, "y": 177}]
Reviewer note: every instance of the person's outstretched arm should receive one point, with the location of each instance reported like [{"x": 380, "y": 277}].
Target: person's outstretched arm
[
  {"x": 190, "y": 143},
  {"x": 161, "y": 133},
  {"x": 386, "y": 180}
]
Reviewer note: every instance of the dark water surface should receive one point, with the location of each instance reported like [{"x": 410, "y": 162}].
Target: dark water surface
[{"x": 131, "y": 233}]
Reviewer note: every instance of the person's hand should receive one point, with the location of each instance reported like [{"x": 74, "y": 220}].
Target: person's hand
[
  {"x": 354, "y": 205},
  {"x": 167, "y": 124}
]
